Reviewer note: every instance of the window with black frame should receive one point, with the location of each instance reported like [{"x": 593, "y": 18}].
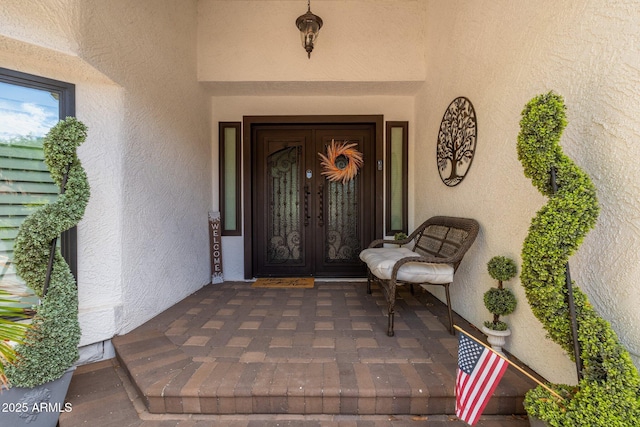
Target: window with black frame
[{"x": 29, "y": 106}]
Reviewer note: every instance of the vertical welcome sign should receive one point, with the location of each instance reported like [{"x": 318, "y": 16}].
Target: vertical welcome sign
[{"x": 215, "y": 247}]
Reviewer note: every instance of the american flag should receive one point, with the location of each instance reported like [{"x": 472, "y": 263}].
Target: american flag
[{"x": 479, "y": 372}]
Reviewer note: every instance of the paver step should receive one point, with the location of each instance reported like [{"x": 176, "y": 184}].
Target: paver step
[
  {"x": 102, "y": 395},
  {"x": 232, "y": 349}
]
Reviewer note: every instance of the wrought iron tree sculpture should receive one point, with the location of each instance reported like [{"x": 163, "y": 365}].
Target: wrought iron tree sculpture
[{"x": 456, "y": 141}]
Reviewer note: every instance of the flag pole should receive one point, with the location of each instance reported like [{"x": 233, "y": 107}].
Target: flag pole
[{"x": 537, "y": 381}]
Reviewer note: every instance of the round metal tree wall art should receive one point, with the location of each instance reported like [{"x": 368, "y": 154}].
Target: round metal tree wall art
[{"x": 456, "y": 141}]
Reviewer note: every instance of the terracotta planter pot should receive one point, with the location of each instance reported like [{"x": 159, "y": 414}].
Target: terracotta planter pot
[{"x": 35, "y": 407}]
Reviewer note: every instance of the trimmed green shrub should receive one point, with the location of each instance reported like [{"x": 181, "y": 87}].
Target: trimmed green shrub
[
  {"x": 51, "y": 344},
  {"x": 609, "y": 393},
  {"x": 500, "y": 301},
  {"x": 502, "y": 268}
]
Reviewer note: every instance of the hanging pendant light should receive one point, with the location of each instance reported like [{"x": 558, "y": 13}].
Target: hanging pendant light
[{"x": 309, "y": 26}]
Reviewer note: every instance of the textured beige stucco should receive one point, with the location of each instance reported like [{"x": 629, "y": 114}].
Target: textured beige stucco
[
  {"x": 99, "y": 236},
  {"x": 143, "y": 243},
  {"x": 151, "y": 52},
  {"x": 50, "y": 24},
  {"x": 152, "y": 162},
  {"x": 500, "y": 54},
  {"x": 361, "y": 40}
]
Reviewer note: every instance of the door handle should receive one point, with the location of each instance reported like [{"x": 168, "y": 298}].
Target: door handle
[
  {"x": 321, "y": 205},
  {"x": 307, "y": 217}
]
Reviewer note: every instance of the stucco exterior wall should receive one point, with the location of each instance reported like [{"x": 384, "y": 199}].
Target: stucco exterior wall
[
  {"x": 48, "y": 24},
  {"x": 150, "y": 49},
  {"x": 99, "y": 235},
  {"x": 143, "y": 243},
  {"x": 501, "y": 54},
  {"x": 152, "y": 159}
]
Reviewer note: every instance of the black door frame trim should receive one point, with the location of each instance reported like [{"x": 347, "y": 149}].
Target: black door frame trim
[{"x": 248, "y": 122}]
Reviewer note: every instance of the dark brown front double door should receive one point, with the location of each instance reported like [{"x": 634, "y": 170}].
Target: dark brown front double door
[{"x": 303, "y": 223}]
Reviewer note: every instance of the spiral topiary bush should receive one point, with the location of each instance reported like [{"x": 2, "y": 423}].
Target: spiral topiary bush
[
  {"x": 51, "y": 344},
  {"x": 609, "y": 393}
]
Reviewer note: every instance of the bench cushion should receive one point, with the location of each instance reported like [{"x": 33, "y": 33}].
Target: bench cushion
[{"x": 381, "y": 261}]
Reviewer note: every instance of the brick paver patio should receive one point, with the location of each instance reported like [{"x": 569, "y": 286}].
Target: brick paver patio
[{"x": 307, "y": 357}]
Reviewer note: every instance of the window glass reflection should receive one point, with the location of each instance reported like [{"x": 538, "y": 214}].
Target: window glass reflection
[{"x": 26, "y": 115}]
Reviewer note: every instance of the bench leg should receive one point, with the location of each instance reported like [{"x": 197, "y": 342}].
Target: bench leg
[
  {"x": 390, "y": 325},
  {"x": 369, "y": 281},
  {"x": 446, "y": 289}
]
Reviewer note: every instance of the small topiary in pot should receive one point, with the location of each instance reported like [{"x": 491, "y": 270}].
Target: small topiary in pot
[
  {"x": 500, "y": 301},
  {"x": 400, "y": 236}
]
